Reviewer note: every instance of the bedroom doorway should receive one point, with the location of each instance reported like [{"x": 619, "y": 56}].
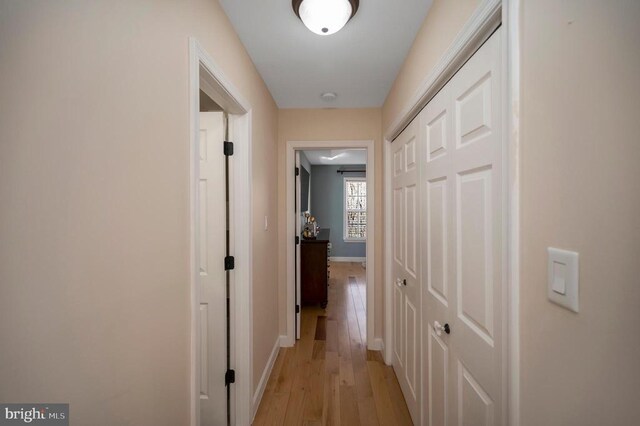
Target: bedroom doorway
[
  {"x": 331, "y": 194},
  {"x": 331, "y": 221}
]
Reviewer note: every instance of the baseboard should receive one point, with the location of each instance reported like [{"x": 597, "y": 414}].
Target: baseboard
[
  {"x": 286, "y": 342},
  {"x": 377, "y": 345},
  {"x": 348, "y": 259},
  {"x": 257, "y": 396}
]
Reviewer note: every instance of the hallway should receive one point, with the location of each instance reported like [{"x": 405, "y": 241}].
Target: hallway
[{"x": 329, "y": 377}]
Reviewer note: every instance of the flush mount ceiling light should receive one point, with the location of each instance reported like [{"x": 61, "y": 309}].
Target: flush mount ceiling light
[
  {"x": 325, "y": 17},
  {"x": 328, "y": 96}
]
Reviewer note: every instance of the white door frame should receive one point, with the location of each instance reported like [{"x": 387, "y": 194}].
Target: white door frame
[
  {"x": 206, "y": 75},
  {"x": 292, "y": 146},
  {"x": 488, "y": 16}
]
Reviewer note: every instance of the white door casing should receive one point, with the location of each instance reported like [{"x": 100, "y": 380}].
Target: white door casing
[
  {"x": 205, "y": 75},
  {"x": 462, "y": 248},
  {"x": 210, "y": 264},
  {"x": 298, "y": 214},
  {"x": 406, "y": 268},
  {"x": 289, "y": 339}
]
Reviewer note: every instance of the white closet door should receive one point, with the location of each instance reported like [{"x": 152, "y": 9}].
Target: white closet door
[
  {"x": 211, "y": 240},
  {"x": 462, "y": 191},
  {"x": 406, "y": 294}
]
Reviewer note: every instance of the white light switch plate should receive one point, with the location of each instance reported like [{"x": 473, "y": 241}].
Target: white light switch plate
[{"x": 562, "y": 281}]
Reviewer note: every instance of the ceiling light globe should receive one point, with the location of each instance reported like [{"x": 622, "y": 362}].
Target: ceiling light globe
[{"x": 325, "y": 17}]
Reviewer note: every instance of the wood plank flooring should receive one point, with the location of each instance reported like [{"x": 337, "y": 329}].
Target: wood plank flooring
[{"x": 329, "y": 377}]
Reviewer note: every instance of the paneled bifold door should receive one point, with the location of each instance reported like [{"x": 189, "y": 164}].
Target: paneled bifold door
[
  {"x": 448, "y": 250},
  {"x": 462, "y": 225},
  {"x": 406, "y": 292}
]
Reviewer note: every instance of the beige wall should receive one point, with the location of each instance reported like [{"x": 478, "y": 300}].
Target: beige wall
[
  {"x": 94, "y": 217},
  {"x": 580, "y": 173},
  {"x": 329, "y": 125},
  {"x": 580, "y": 177},
  {"x": 440, "y": 28}
]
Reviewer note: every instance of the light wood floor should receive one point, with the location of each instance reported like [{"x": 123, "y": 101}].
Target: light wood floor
[{"x": 330, "y": 377}]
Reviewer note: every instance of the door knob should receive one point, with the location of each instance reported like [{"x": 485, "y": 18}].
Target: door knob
[
  {"x": 404, "y": 282},
  {"x": 439, "y": 328}
]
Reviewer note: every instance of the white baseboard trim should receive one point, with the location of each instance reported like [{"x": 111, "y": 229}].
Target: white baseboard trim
[
  {"x": 348, "y": 259},
  {"x": 387, "y": 359},
  {"x": 285, "y": 342},
  {"x": 257, "y": 396},
  {"x": 376, "y": 344}
]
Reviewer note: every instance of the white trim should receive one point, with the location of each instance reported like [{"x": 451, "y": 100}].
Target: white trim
[
  {"x": 292, "y": 146},
  {"x": 266, "y": 373},
  {"x": 205, "y": 74},
  {"x": 283, "y": 339},
  {"x": 348, "y": 259},
  {"x": 481, "y": 24},
  {"x": 487, "y": 17},
  {"x": 511, "y": 11},
  {"x": 377, "y": 344},
  {"x": 388, "y": 254},
  {"x": 346, "y": 179}
]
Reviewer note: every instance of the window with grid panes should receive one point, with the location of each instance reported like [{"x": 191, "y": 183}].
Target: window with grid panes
[{"x": 355, "y": 211}]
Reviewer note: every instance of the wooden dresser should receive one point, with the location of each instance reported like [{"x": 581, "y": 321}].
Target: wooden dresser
[{"x": 314, "y": 271}]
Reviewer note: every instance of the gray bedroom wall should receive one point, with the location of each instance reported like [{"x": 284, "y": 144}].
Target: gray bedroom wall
[
  {"x": 327, "y": 204},
  {"x": 304, "y": 161}
]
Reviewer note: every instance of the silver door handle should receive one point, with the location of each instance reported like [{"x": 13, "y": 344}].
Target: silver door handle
[{"x": 439, "y": 328}]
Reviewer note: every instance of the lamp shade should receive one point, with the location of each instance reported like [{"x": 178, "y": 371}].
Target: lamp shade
[{"x": 325, "y": 17}]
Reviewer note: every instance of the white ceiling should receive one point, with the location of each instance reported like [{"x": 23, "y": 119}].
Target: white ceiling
[
  {"x": 337, "y": 157},
  {"x": 359, "y": 63}
]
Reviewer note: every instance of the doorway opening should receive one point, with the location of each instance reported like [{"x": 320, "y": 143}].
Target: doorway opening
[
  {"x": 331, "y": 220},
  {"x": 331, "y": 194}
]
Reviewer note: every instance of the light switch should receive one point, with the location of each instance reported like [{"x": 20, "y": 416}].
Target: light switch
[
  {"x": 562, "y": 286},
  {"x": 559, "y": 274}
]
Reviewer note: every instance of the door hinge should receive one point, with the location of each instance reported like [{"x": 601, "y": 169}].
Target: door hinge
[
  {"x": 297, "y": 309},
  {"x": 229, "y": 377},
  {"x": 297, "y": 171},
  {"x": 229, "y": 263},
  {"x": 297, "y": 240},
  {"x": 228, "y": 148}
]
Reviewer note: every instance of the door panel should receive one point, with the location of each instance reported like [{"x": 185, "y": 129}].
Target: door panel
[
  {"x": 473, "y": 112},
  {"x": 475, "y": 90},
  {"x": 438, "y": 359},
  {"x": 407, "y": 356},
  {"x": 411, "y": 325},
  {"x": 210, "y": 262},
  {"x": 411, "y": 230},
  {"x": 435, "y": 123},
  {"x": 474, "y": 253},
  {"x": 436, "y": 227},
  {"x": 461, "y": 191},
  {"x": 474, "y": 405},
  {"x": 436, "y": 136},
  {"x": 398, "y": 332},
  {"x": 398, "y": 234}
]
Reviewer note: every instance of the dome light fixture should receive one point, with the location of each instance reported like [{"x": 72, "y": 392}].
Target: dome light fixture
[
  {"x": 328, "y": 96},
  {"x": 325, "y": 17}
]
